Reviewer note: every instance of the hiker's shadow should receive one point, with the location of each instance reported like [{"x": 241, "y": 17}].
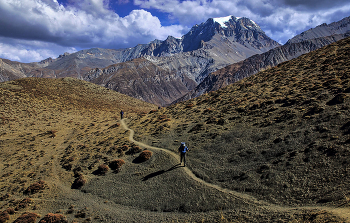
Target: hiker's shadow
[{"x": 160, "y": 172}]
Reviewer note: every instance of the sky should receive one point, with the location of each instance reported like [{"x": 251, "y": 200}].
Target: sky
[{"x": 33, "y": 30}]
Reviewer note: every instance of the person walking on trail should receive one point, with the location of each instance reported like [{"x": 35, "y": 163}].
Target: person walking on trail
[
  {"x": 121, "y": 114},
  {"x": 182, "y": 150}
]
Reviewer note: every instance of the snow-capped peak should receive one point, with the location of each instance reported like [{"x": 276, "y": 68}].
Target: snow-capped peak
[{"x": 222, "y": 20}]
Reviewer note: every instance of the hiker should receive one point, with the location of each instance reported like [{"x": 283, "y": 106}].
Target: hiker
[
  {"x": 182, "y": 150},
  {"x": 121, "y": 114}
]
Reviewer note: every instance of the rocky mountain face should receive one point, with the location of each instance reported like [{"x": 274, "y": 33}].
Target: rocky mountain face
[
  {"x": 293, "y": 48},
  {"x": 204, "y": 49},
  {"x": 142, "y": 79}
]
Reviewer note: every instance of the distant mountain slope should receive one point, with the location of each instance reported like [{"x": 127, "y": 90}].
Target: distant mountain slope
[
  {"x": 340, "y": 27},
  {"x": 204, "y": 49},
  {"x": 11, "y": 70},
  {"x": 281, "y": 135},
  {"x": 298, "y": 46},
  {"x": 142, "y": 79}
]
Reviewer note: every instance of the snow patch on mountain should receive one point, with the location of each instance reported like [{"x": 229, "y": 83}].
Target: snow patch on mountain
[{"x": 222, "y": 20}]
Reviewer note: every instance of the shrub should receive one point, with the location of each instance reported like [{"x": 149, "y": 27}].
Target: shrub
[
  {"x": 125, "y": 147},
  {"x": 11, "y": 211},
  {"x": 116, "y": 164},
  {"x": 102, "y": 169},
  {"x": 23, "y": 203},
  {"x": 53, "y": 218},
  {"x": 35, "y": 188},
  {"x": 4, "y": 216},
  {"x": 27, "y": 218},
  {"x": 145, "y": 155},
  {"x": 79, "y": 182},
  {"x": 134, "y": 150}
]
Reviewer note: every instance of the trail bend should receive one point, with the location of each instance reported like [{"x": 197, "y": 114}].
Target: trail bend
[{"x": 252, "y": 201}]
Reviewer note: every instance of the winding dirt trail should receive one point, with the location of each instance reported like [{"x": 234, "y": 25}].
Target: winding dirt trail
[{"x": 252, "y": 201}]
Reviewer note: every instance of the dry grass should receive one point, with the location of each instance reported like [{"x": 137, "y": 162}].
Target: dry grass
[{"x": 53, "y": 218}]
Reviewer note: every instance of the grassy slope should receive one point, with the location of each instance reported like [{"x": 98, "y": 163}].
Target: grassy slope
[
  {"x": 48, "y": 127},
  {"x": 281, "y": 135},
  {"x": 57, "y": 130}
]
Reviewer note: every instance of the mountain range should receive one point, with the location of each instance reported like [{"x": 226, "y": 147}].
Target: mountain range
[{"x": 176, "y": 69}]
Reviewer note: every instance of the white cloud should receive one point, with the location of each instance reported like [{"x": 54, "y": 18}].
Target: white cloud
[
  {"x": 30, "y": 51},
  {"x": 85, "y": 24}
]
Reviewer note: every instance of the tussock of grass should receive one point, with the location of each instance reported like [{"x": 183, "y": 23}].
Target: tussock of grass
[
  {"x": 116, "y": 164},
  {"x": 27, "y": 218},
  {"x": 35, "y": 188},
  {"x": 53, "y": 218},
  {"x": 145, "y": 155}
]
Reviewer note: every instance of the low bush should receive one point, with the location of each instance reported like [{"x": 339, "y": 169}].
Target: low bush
[
  {"x": 145, "y": 155},
  {"x": 4, "y": 216},
  {"x": 23, "y": 203},
  {"x": 27, "y": 218},
  {"x": 124, "y": 147},
  {"x": 116, "y": 164},
  {"x": 79, "y": 182},
  {"x": 53, "y": 218},
  {"x": 35, "y": 188},
  {"x": 102, "y": 169},
  {"x": 11, "y": 211},
  {"x": 133, "y": 150}
]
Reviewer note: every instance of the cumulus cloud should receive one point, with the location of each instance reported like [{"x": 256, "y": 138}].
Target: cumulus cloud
[
  {"x": 315, "y": 4},
  {"x": 84, "y": 24},
  {"x": 30, "y": 51}
]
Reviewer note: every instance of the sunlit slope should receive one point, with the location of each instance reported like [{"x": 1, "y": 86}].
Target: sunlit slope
[
  {"x": 48, "y": 127},
  {"x": 282, "y": 135}
]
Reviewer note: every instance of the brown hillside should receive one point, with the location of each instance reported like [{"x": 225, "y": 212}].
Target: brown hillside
[
  {"x": 282, "y": 135},
  {"x": 64, "y": 154}
]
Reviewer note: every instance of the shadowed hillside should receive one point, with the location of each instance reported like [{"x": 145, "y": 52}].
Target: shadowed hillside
[{"x": 282, "y": 135}]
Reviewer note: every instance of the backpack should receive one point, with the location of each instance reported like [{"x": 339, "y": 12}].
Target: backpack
[{"x": 183, "y": 148}]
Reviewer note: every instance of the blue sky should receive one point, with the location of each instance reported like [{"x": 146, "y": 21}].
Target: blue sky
[{"x": 33, "y": 30}]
